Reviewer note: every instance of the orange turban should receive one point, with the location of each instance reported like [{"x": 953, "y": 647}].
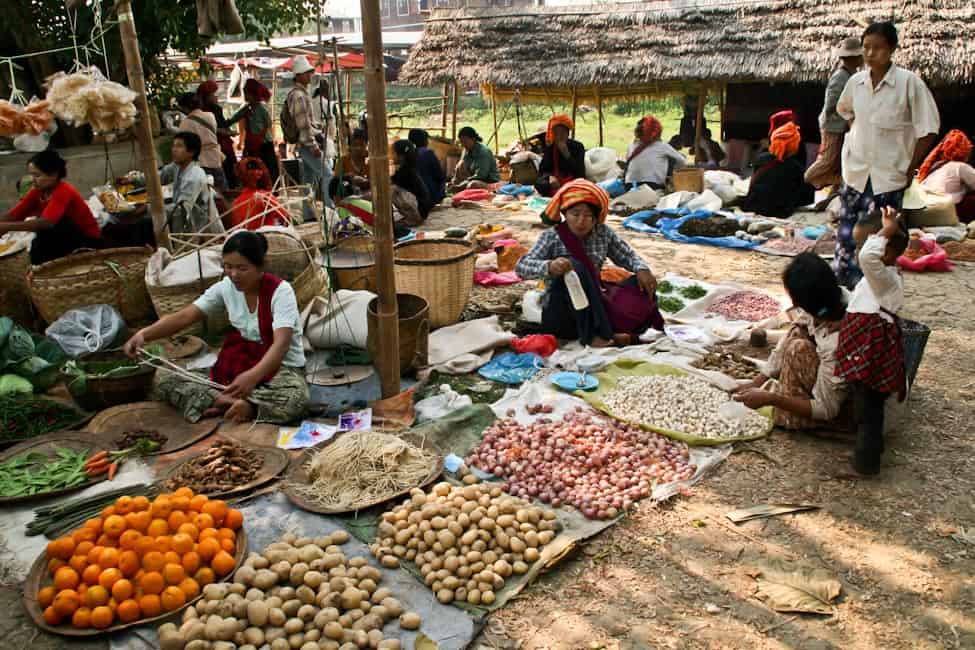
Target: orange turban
[
  {"x": 780, "y": 119},
  {"x": 785, "y": 141},
  {"x": 208, "y": 87},
  {"x": 955, "y": 147},
  {"x": 650, "y": 129},
  {"x": 558, "y": 120},
  {"x": 574, "y": 192}
]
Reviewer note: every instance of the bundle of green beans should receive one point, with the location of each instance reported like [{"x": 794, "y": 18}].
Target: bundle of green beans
[
  {"x": 60, "y": 519},
  {"x": 33, "y": 473}
]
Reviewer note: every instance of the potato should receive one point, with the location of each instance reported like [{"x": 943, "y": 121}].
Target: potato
[
  {"x": 273, "y": 633},
  {"x": 367, "y": 585},
  {"x": 254, "y": 636},
  {"x": 294, "y": 625},
  {"x": 170, "y": 638},
  {"x": 380, "y": 594},
  {"x": 333, "y": 630},
  {"x": 309, "y": 645},
  {"x": 215, "y": 591},
  {"x": 290, "y": 607},
  {"x": 351, "y": 598},
  {"x": 517, "y": 545},
  {"x": 519, "y": 567},
  {"x": 410, "y": 621},
  {"x": 531, "y": 555},
  {"x": 245, "y": 575},
  {"x": 273, "y": 601},
  {"x": 332, "y": 560},
  {"x": 254, "y": 594},
  {"x": 445, "y": 596},
  {"x": 264, "y": 579},
  {"x": 307, "y": 612},
  {"x": 314, "y": 579},
  {"x": 380, "y": 611},
  {"x": 305, "y": 594},
  {"x": 339, "y": 537},
  {"x": 276, "y": 617},
  {"x": 326, "y": 616},
  {"x": 389, "y": 644},
  {"x": 312, "y": 633},
  {"x": 192, "y": 630},
  {"x": 247, "y": 646},
  {"x": 545, "y": 536},
  {"x": 297, "y": 573},
  {"x": 281, "y": 644}
]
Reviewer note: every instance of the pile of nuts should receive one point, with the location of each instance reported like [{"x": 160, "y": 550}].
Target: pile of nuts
[
  {"x": 465, "y": 540},
  {"x": 728, "y": 363},
  {"x": 746, "y": 305},
  {"x": 680, "y": 403}
]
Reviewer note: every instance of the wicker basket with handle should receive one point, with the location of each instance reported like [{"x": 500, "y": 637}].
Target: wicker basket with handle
[
  {"x": 441, "y": 271},
  {"x": 14, "y": 295},
  {"x": 113, "y": 276}
]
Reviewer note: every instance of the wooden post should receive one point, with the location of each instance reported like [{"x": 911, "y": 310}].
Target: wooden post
[
  {"x": 143, "y": 126},
  {"x": 453, "y": 137},
  {"x": 599, "y": 113},
  {"x": 699, "y": 124},
  {"x": 348, "y": 92},
  {"x": 575, "y": 105},
  {"x": 388, "y": 315},
  {"x": 494, "y": 118},
  {"x": 341, "y": 132},
  {"x": 443, "y": 111}
]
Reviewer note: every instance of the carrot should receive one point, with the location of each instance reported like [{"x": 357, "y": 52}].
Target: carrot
[
  {"x": 112, "y": 469},
  {"x": 97, "y": 457},
  {"x": 98, "y": 468}
]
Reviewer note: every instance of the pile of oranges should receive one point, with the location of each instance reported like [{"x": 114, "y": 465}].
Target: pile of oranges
[{"x": 139, "y": 559}]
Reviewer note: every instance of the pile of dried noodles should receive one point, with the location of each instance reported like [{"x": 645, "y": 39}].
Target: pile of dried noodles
[
  {"x": 87, "y": 97},
  {"x": 33, "y": 119},
  {"x": 363, "y": 467}
]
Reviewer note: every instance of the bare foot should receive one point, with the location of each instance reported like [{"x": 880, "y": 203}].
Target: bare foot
[
  {"x": 241, "y": 411},
  {"x": 219, "y": 406},
  {"x": 622, "y": 340},
  {"x": 600, "y": 342}
]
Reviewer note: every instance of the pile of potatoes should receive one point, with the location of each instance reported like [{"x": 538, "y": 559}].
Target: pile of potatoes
[
  {"x": 299, "y": 594},
  {"x": 466, "y": 540}
]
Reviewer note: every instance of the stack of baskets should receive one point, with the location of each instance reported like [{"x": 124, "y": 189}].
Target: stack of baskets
[
  {"x": 441, "y": 271},
  {"x": 113, "y": 276}
]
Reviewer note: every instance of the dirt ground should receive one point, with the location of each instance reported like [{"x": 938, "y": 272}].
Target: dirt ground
[{"x": 678, "y": 575}]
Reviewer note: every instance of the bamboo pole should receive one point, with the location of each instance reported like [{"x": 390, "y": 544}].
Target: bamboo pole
[
  {"x": 599, "y": 113},
  {"x": 143, "y": 126},
  {"x": 453, "y": 136},
  {"x": 494, "y": 118},
  {"x": 388, "y": 314},
  {"x": 341, "y": 133},
  {"x": 699, "y": 124},
  {"x": 575, "y": 105},
  {"x": 443, "y": 110}
]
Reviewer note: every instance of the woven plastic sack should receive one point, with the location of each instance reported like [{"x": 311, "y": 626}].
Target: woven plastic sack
[{"x": 87, "y": 329}]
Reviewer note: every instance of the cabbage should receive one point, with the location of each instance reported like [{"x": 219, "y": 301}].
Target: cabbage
[
  {"x": 41, "y": 373},
  {"x": 10, "y": 384},
  {"x": 6, "y": 325},
  {"x": 19, "y": 347}
]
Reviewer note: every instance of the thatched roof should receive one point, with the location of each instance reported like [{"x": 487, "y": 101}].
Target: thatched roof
[{"x": 656, "y": 45}]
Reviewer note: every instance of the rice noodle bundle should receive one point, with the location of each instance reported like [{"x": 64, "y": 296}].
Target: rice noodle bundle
[
  {"x": 34, "y": 119},
  {"x": 363, "y": 467},
  {"x": 87, "y": 97}
]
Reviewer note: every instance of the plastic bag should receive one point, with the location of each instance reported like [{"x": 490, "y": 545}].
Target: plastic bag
[
  {"x": 511, "y": 368},
  {"x": 441, "y": 404},
  {"x": 934, "y": 259},
  {"x": 541, "y": 344},
  {"x": 531, "y": 306},
  {"x": 87, "y": 329},
  {"x": 601, "y": 164},
  {"x": 615, "y": 187}
]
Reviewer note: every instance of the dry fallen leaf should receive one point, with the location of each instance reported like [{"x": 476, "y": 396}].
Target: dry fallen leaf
[
  {"x": 789, "y": 588},
  {"x": 423, "y": 642}
]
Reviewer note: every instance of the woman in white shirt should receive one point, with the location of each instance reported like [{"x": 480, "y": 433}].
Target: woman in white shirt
[
  {"x": 894, "y": 122},
  {"x": 947, "y": 170},
  {"x": 261, "y": 363},
  {"x": 649, "y": 159}
]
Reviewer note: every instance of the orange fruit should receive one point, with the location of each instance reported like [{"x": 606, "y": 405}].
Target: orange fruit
[
  {"x": 176, "y": 519},
  {"x": 95, "y": 553},
  {"x": 114, "y": 525},
  {"x": 152, "y": 583},
  {"x": 208, "y": 548},
  {"x": 108, "y": 558},
  {"x": 157, "y": 528},
  {"x": 54, "y": 564},
  {"x": 197, "y": 502},
  {"x": 83, "y": 548},
  {"x": 173, "y": 574},
  {"x": 128, "y": 611},
  {"x": 105, "y": 540},
  {"x": 153, "y": 561},
  {"x": 190, "y": 562},
  {"x": 122, "y": 590},
  {"x": 217, "y": 509},
  {"x": 81, "y": 618},
  {"x": 46, "y": 596},
  {"x": 138, "y": 520},
  {"x": 207, "y": 533},
  {"x": 226, "y": 533},
  {"x": 164, "y": 543},
  {"x": 172, "y": 557},
  {"x": 182, "y": 543},
  {"x": 150, "y": 605},
  {"x": 84, "y": 534},
  {"x": 161, "y": 508},
  {"x": 180, "y": 502},
  {"x": 51, "y": 617},
  {"x": 145, "y": 544},
  {"x": 123, "y": 505},
  {"x": 128, "y": 563},
  {"x": 109, "y": 577},
  {"x": 190, "y": 588},
  {"x": 205, "y": 576},
  {"x": 66, "y": 602},
  {"x": 78, "y": 563},
  {"x": 66, "y": 578},
  {"x": 173, "y": 598},
  {"x": 82, "y": 589},
  {"x": 102, "y": 617},
  {"x": 91, "y": 574},
  {"x": 223, "y": 563},
  {"x": 203, "y": 520},
  {"x": 95, "y": 523},
  {"x": 234, "y": 519},
  {"x": 129, "y": 538},
  {"x": 61, "y": 548},
  {"x": 140, "y": 503},
  {"x": 96, "y": 595},
  {"x": 107, "y": 512},
  {"x": 183, "y": 492},
  {"x": 228, "y": 545},
  {"x": 189, "y": 530}
]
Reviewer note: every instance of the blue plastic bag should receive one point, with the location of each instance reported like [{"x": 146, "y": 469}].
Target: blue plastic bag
[
  {"x": 668, "y": 228},
  {"x": 615, "y": 187},
  {"x": 514, "y": 189},
  {"x": 512, "y": 368},
  {"x": 814, "y": 232},
  {"x": 638, "y": 220}
]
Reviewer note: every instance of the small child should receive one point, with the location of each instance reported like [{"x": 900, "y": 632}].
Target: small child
[{"x": 870, "y": 353}]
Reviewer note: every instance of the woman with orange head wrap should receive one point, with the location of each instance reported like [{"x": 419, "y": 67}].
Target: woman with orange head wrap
[
  {"x": 778, "y": 186},
  {"x": 563, "y": 160},
  {"x": 650, "y": 160},
  {"x": 580, "y": 242},
  {"x": 947, "y": 170},
  {"x": 257, "y": 131},
  {"x": 256, "y": 206}
]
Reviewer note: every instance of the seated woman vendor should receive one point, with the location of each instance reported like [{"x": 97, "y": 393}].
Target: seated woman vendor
[
  {"x": 948, "y": 170},
  {"x": 477, "y": 167},
  {"x": 778, "y": 185},
  {"x": 563, "y": 160},
  {"x": 615, "y": 314},
  {"x": 63, "y": 222},
  {"x": 261, "y": 363},
  {"x": 650, "y": 160}
]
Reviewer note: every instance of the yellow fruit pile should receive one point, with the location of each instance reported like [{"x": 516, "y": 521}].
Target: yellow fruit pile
[{"x": 139, "y": 559}]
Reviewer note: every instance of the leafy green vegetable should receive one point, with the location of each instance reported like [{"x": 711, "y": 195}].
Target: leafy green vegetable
[
  {"x": 665, "y": 287},
  {"x": 670, "y": 304},
  {"x": 19, "y": 347},
  {"x": 12, "y": 384},
  {"x": 6, "y": 326},
  {"x": 26, "y": 416},
  {"x": 693, "y": 292},
  {"x": 36, "y": 473}
]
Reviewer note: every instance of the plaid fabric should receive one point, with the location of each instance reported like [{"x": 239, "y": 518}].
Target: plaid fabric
[
  {"x": 870, "y": 351},
  {"x": 601, "y": 243}
]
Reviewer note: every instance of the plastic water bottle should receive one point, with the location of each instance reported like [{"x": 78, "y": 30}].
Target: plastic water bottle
[{"x": 576, "y": 293}]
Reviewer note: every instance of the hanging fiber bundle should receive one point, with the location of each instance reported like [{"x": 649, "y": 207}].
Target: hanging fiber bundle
[{"x": 87, "y": 97}]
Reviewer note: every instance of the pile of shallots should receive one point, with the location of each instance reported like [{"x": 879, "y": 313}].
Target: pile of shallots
[{"x": 597, "y": 464}]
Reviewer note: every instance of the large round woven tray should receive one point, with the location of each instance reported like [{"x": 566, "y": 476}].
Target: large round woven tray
[
  {"x": 39, "y": 578},
  {"x": 299, "y": 474},
  {"x": 47, "y": 444},
  {"x": 275, "y": 461},
  {"x": 111, "y": 423}
]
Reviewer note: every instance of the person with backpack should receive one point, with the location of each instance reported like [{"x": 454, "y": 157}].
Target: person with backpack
[{"x": 301, "y": 128}]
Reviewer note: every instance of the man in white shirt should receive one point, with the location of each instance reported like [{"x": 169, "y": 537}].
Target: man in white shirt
[{"x": 894, "y": 123}]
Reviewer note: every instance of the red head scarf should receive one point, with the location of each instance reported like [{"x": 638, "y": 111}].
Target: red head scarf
[
  {"x": 785, "y": 141},
  {"x": 558, "y": 120},
  {"x": 208, "y": 87},
  {"x": 574, "y": 192},
  {"x": 650, "y": 129},
  {"x": 955, "y": 147},
  {"x": 256, "y": 88},
  {"x": 253, "y": 174},
  {"x": 780, "y": 119}
]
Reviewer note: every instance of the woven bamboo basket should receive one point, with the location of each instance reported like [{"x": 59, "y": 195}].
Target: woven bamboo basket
[
  {"x": 689, "y": 180},
  {"x": 352, "y": 263},
  {"x": 170, "y": 299},
  {"x": 441, "y": 271},
  {"x": 114, "y": 276},
  {"x": 14, "y": 294}
]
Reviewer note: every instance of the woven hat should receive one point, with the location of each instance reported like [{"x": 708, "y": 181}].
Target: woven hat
[
  {"x": 849, "y": 47},
  {"x": 300, "y": 64}
]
